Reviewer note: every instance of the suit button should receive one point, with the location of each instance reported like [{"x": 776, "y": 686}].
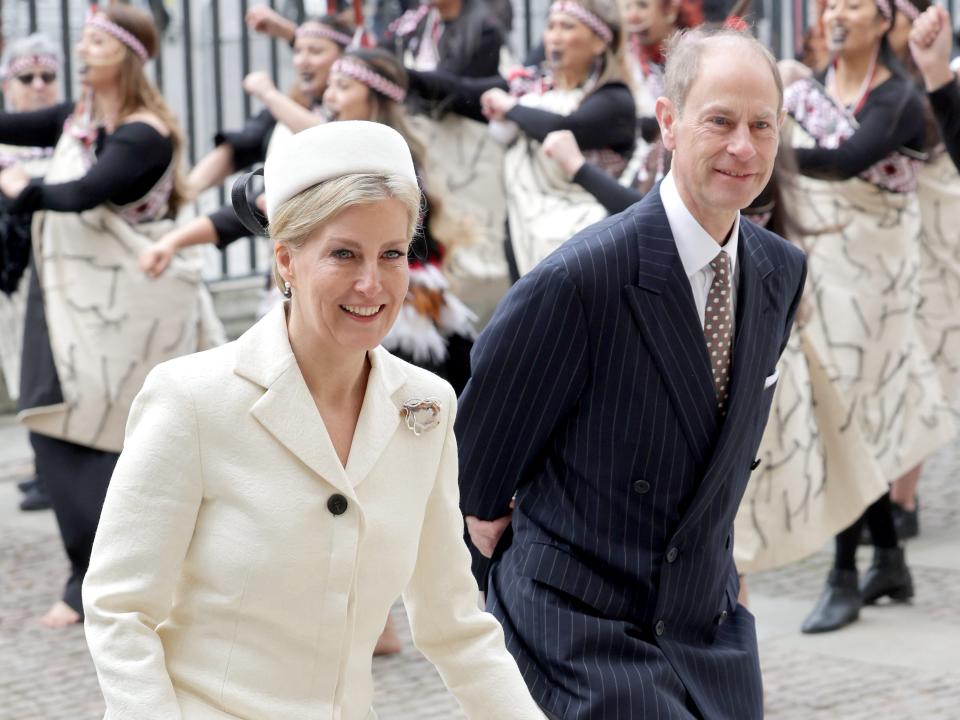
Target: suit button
[
  {"x": 755, "y": 464},
  {"x": 723, "y": 617},
  {"x": 672, "y": 555},
  {"x": 641, "y": 487},
  {"x": 661, "y": 628},
  {"x": 337, "y": 504}
]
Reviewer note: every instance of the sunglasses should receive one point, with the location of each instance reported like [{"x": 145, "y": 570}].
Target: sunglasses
[{"x": 46, "y": 77}]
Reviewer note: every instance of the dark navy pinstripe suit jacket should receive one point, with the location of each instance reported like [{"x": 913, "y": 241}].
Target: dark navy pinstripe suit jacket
[{"x": 592, "y": 399}]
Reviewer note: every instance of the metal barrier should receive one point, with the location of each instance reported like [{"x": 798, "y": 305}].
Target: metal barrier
[{"x": 207, "y": 50}]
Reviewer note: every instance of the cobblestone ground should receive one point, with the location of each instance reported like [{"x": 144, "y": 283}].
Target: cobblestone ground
[{"x": 46, "y": 675}]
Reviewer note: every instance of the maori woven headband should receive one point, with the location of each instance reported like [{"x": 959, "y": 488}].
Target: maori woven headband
[
  {"x": 592, "y": 21},
  {"x": 373, "y": 80},
  {"x": 127, "y": 38},
  {"x": 25, "y": 62},
  {"x": 315, "y": 29},
  {"x": 908, "y": 9}
]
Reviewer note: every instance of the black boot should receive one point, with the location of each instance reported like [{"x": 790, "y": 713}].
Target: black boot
[
  {"x": 838, "y": 606},
  {"x": 888, "y": 575},
  {"x": 906, "y": 521},
  {"x": 36, "y": 497},
  {"x": 27, "y": 483}
]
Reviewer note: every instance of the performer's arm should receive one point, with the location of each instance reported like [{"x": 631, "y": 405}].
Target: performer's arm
[
  {"x": 888, "y": 126},
  {"x": 39, "y": 128},
  {"x": 145, "y": 530},
  {"x": 461, "y": 94},
  {"x": 562, "y": 148},
  {"x": 605, "y": 119},
  {"x": 464, "y": 643},
  {"x": 529, "y": 366},
  {"x": 249, "y": 144},
  {"x": 155, "y": 258},
  {"x": 133, "y": 156},
  {"x": 946, "y": 106}
]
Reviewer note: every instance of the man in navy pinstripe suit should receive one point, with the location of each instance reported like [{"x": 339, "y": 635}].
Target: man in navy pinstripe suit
[{"x": 618, "y": 398}]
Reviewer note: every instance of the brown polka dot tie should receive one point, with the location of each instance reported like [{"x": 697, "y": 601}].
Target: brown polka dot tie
[{"x": 717, "y": 328}]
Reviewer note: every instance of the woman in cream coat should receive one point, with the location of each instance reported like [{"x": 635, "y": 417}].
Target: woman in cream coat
[{"x": 276, "y": 495}]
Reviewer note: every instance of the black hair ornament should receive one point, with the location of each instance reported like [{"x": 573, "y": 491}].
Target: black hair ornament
[{"x": 248, "y": 212}]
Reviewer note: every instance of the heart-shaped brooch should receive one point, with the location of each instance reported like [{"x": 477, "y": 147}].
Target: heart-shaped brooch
[{"x": 421, "y": 415}]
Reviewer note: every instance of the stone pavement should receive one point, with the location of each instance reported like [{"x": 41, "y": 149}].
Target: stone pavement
[{"x": 899, "y": 662}]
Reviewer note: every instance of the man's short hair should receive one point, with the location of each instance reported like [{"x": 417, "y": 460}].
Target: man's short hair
[{"x": 683, "y": 60}]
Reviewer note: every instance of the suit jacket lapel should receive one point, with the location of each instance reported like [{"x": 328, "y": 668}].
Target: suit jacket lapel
[
  {"x": 663, "y": 307},
  {"x": 756, "y": 325},
  {"x": 379, "y": 417}
]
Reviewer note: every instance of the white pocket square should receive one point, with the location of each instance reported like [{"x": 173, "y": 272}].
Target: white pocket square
[{"x": 772, "y": 380}]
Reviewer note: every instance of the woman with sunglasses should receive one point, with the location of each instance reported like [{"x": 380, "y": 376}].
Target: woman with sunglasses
[
  {"x": 29, "y": 70},
  {"x": 95, "y": 325}
]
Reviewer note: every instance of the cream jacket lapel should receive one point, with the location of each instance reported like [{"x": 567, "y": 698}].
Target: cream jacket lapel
[{"x": 287, "y": 410}]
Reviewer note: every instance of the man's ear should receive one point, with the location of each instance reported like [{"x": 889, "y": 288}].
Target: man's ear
[
  {"x": 781, "y": 118},
  {"x": 667, "y": 118}
]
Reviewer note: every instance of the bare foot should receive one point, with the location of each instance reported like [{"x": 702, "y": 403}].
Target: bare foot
[
  {"x": 60, "y": 615},
  {"x": 388, "y": 642}
]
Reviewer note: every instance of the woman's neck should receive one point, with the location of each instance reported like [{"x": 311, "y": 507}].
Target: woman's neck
[
  {"x": 107, "y": 105},
  {"x": 335, "y": 379},
  {"x": 568, "y": 79},
  {"x": 851, "y": 70}
]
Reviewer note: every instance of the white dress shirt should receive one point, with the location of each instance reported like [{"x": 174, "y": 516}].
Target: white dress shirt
[{"x": 697, "y": 249}]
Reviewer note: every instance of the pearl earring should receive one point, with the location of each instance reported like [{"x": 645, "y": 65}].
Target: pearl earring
[{"x": 287, "y": 290}]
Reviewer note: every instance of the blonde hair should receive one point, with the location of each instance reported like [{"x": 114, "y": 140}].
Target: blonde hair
[{"x": 297, "y": 219}]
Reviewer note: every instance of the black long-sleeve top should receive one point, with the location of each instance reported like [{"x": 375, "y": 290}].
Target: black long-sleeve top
[
  {"x": 605, "y": 118},
  {"x": 227, "y": 225},
  {"x": 249, "y": 148},
  {"x": 890, "y": 119},
  {"x": 250, "y": 142},
  {"x": 946, "y": 107},
  {"x": 130, "y": 161},
  {"x": 611, "y": 194}
]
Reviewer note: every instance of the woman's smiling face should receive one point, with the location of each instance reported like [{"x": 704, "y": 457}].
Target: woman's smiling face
[{"x": 350, "y": 278}]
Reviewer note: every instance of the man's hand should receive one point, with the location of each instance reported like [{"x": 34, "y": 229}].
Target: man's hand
[
  {"x": 930, "y": 45},
  {"x": 485, "y": 534}
]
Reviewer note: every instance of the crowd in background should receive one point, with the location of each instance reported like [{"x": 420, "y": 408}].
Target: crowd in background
[{"x": 514, "y": 157}]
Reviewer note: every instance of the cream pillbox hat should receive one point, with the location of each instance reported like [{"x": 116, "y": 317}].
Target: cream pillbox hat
[{"x": 344, "y": 147}]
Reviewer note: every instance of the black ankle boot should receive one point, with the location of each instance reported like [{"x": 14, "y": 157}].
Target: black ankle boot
[
  {"x": 839, "y": 605},
  {"x": 906, "y": 521},
  {"x": 888, "y": 575}
]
